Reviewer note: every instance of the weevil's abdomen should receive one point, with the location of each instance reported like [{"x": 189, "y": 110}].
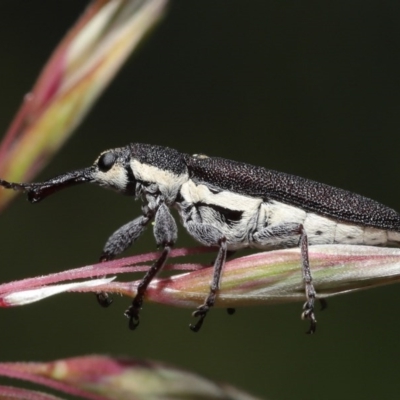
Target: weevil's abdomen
[
  {"x": 330, "y": 231},
  {"x": 323, "y": 230}
]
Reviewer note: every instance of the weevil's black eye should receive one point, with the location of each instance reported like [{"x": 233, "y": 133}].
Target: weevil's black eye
[{"x": 106, "y": 161}]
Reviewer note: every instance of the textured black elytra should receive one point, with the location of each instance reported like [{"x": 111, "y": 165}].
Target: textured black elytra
[{"x": 293, "y": 190}]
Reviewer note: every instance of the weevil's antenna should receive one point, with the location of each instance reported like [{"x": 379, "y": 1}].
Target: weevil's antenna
[{"x": 38, "y": 191}]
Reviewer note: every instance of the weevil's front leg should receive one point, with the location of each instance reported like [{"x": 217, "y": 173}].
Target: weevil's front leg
[
  {"x": 165, "y": 232},
  {"x": 119, "y": 241},
  {"x": 210, "y": 236},
  {"x": 281, "y": 231}
]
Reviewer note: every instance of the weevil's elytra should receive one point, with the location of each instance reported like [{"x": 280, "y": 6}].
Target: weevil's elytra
[{"x": 227, "y": 204}]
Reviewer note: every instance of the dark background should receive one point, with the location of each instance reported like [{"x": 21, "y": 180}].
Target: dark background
[{"x": 306, "y": 87}]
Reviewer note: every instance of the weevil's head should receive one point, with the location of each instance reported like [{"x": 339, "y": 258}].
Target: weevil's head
[{"x": 111, "y": 169}]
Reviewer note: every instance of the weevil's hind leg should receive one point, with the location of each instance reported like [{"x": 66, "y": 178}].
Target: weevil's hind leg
[
  {"x": 323, "y": 304},
  {"x": 281, "y": 231},
  {"x": 165, "y": 232},
  {"x": 210, "y": 236},
  {"x": 308, "y": 308},
  {"x": 118, "y": 242},
  {"x": 229, "y": 254}
]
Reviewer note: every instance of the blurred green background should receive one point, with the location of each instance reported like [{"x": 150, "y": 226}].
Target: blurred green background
[{"x": 306, "y": 87}]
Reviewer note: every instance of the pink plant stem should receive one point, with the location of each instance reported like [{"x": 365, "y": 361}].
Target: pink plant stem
[{"x": 123, "y": 265}]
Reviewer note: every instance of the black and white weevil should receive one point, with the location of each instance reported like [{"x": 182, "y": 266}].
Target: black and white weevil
[{"x": 227, "y": 204}]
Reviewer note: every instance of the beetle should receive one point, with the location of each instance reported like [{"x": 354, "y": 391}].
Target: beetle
[{"x": 228, "y": 204}]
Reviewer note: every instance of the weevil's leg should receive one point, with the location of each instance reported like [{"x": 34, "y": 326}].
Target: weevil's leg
[
  {"x": 210, "y": 236},
  {"x": 308, "y": 308},
  {"x": 165, "y": 232},
  {"x": 122, "y": 238},
  {"x": 119, "y": 241},
  {"x": 202, "y": 310},
  {"x": 271, "y": 233},
  {"x": 104, "y": 299},
  {"x": 323, "y": 303},
  {"x": 134, "y": 309},
  {"x": 229, "y": 254}
]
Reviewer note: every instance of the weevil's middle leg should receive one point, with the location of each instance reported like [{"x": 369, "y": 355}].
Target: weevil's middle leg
[
  {"x": 229, "y": 254},
  {"x": 209, "y": 236},
  {"x": 202, "y": 311},
  {"x": 276, "y": 232}
]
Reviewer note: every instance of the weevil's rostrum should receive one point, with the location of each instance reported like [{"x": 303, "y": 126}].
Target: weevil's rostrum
[{"x": 227, "y": 204}]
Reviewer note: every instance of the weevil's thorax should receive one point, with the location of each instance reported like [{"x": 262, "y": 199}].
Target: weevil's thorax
[{"x": 158, "y": 169}]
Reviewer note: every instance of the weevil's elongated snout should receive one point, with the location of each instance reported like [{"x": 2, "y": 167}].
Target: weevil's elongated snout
[{"x": 38, "y": 191}]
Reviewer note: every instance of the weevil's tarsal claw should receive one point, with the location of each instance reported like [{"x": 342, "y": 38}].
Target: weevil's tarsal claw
[
  {"x": 313, "y": 327},
  {"x": 133, "y": 312},
  {"x": 134, "y": 322},
  {"x": 38, "y": 191},
  {"x": 200, "y": 313},
  {"x": 308, "y": 313},
  {"x": 104, "y": 299}
]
